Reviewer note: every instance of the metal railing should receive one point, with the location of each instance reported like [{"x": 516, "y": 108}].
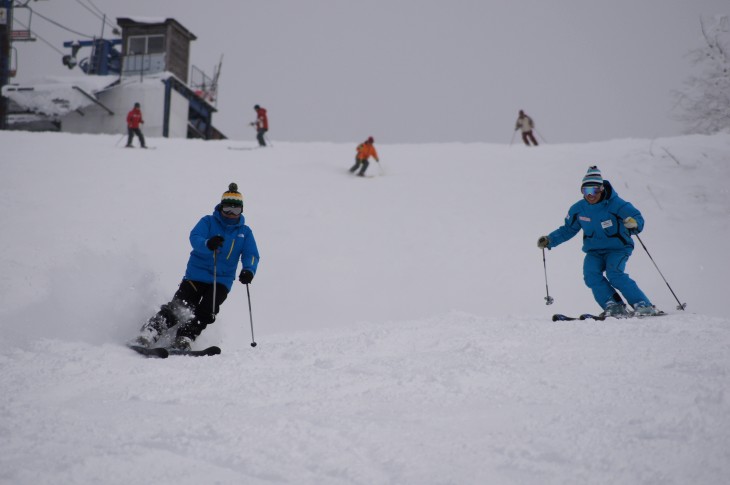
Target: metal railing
[{"x": 204, "y": 86}]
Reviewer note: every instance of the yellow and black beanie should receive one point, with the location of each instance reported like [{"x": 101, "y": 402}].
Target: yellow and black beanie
[{"x": 232, "y": 196}]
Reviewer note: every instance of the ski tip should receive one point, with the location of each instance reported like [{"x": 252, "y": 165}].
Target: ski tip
[
  {"x": 559, "y": 317},
  {"x": 159, "y": 352}
]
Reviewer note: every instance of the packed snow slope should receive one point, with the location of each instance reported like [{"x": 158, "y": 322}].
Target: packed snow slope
[{"x": 403, "y": 336}]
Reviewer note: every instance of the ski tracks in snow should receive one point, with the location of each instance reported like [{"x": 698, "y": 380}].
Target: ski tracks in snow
[{"x": 451, "y": 399}]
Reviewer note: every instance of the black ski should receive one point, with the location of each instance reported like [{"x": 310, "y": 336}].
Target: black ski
[
  {"x": 558, "y": 317},
  {"x": 214, "y": 350},
  {"x": 158, "y": 352}
]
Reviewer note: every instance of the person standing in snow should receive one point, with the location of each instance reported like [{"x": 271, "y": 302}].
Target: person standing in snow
[
  {"x": 219, "y": 242},
  {"x": 134, "y": 119},
  {"x": 526, "y": 124},
  {"x": 365, "y": 150},
  {"x": 607, "y": 222},
  {"x": 261, "y": 124}
]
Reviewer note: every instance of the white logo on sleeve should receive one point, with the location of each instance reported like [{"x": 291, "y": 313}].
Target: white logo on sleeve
[{"x": 606, "y": 224}]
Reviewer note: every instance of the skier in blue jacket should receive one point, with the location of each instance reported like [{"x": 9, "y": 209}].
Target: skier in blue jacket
[
  {"x": 219, "y": 242},
  {"x": 607, "y": 222}
]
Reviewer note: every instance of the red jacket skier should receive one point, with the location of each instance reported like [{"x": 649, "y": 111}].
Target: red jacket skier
[
  {"x": 261, "y": 123},
  {"x": 134, "y": 119}
]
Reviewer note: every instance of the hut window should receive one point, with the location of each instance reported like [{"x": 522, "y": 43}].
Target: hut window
[{"x": 146, "y": 44}]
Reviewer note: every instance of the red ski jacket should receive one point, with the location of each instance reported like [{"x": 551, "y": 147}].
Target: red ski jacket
[
  {"x": 262, "y": 121},
  {"x": 134, "y": 118}
]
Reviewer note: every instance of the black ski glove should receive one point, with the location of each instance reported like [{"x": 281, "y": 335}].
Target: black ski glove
[
  {"x": 214, "y": 243},
  {"x": 543, "y": 242},
  {"x": 245, "y": 277}
]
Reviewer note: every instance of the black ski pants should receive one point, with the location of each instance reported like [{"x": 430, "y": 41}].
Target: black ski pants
[
  {"x": 528, "y": 137},
  {"x": 198, "y": 298},
  {"x": 130, "y": 136},
  {"x": 260, "y": 136},
  {"x": 358, "y": 163}
]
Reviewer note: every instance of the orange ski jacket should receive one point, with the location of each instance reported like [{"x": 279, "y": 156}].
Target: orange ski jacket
[{"x": 366, "y": 150}]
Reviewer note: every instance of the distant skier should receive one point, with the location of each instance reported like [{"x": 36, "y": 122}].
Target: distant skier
[
  {"x": 261, "y": 124},
  {"x": 134, "y": 119},
  {"x": 365, "y": 150},
  {"x": 607, "y": 222},
  {"x": 225, "y": 234},
  {"x": 526, "y": 124}
]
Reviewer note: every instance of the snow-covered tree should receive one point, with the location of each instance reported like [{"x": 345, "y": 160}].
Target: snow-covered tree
[{"x": 705, "y": 99}]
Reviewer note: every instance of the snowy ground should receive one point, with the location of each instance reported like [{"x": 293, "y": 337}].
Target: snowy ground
[{"x": 401, "y": 327}]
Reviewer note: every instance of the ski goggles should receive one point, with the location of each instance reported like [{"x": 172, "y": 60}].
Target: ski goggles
[
  {"x": 591, "y": 189},
  {"x": 232, "y": 210}
]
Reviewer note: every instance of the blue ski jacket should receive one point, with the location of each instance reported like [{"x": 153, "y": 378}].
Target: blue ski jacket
[
  {"x": 602, "y": 223},
  {"x": 238, "y": 244}
]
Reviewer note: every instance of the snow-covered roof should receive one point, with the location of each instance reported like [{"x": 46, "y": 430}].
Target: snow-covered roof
[
  {"x": 58, "y": 95},
  {"x": 147, "y": 20},
  {"x": 125, "y": 22}
]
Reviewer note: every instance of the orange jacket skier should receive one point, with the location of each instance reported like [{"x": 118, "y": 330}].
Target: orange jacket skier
[{"x": 365, "y": 150}]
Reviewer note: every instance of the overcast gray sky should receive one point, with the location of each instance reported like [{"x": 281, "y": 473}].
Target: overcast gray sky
[{"x": 420, "y": 70}]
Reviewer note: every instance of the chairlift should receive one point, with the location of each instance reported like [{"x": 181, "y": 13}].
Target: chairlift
[{"x": 25, "y": 35}]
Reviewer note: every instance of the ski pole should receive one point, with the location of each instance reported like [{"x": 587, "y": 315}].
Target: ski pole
[
  {"x": 513, "y": 137},
  {"x": 680, "y": 306},
  {"x": 250, "y": 316},
  {"x": 540, "y": 135},
  {"x": 548, "y": 299},
  {"x": 382, "y": 172},
  {"x": 120, "y": 139},
  {"x": 268, "y": 141},
  {"x": 215, "y": 277}
]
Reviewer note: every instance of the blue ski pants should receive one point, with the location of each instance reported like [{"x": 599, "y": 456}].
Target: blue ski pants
[{"x": 613, "y": 264}]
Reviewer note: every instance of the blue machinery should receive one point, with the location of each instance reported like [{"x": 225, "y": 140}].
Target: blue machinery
[{"x": 104, "y": 59}]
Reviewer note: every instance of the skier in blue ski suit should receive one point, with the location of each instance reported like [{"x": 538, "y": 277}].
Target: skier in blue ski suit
[
  {"x": 224, "y": 234},
  {"x": 238, "y": 244},
  {"x": 607, "y": 222}
]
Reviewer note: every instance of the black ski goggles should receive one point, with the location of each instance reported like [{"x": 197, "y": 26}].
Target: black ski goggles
[{"x": 232, "y": 210}]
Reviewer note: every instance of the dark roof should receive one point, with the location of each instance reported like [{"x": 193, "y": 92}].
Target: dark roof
[{"x": 124, "y": 22}]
